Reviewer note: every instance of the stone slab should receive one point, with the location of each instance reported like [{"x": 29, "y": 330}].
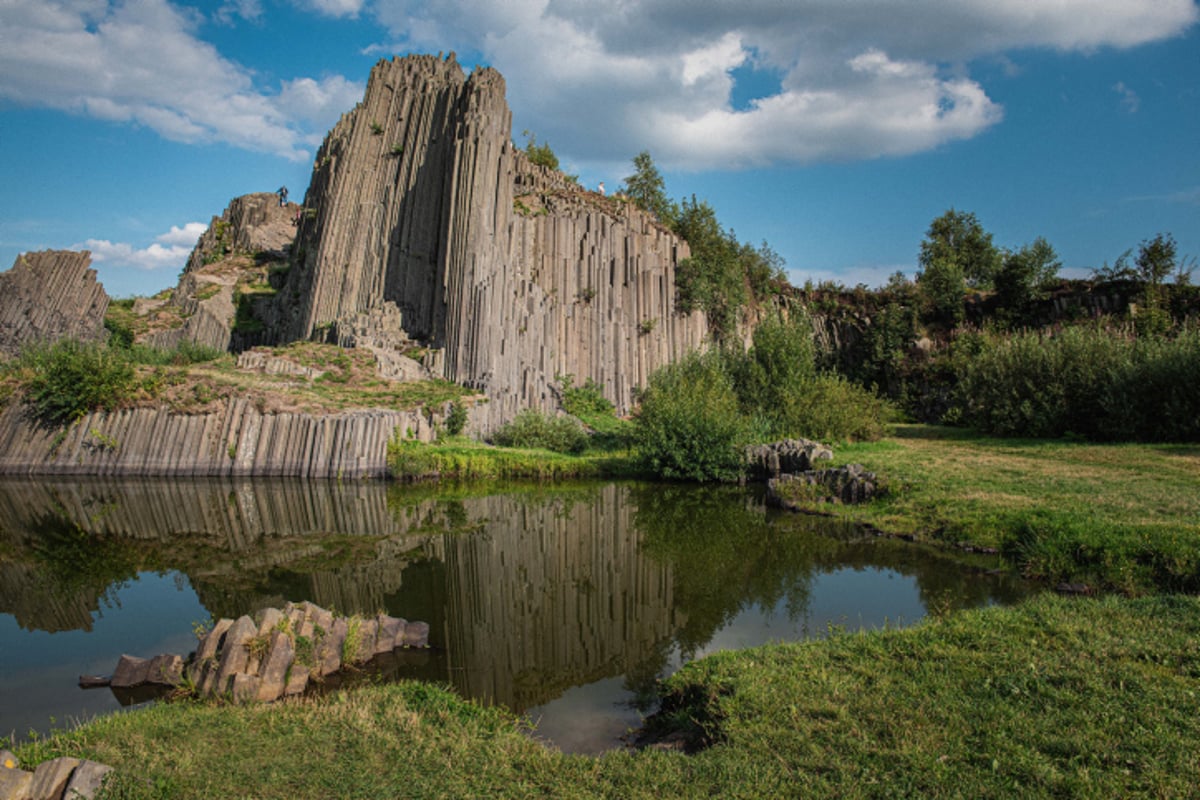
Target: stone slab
[
  {"x": 86, "y": 780},
  {"x": 130, "y": 671},
  {"x": 51, "y": 777},
  {"x": 165, "y": 670},
  {"x": 273, "y": 674},
  {"x": 14, "y": 784},
  {"x": 416, "y": 634}
]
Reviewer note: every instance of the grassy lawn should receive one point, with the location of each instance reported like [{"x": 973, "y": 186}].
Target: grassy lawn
[
  {"x": 1123, "y": 517},
  {"x": 1057, "y": 697}
]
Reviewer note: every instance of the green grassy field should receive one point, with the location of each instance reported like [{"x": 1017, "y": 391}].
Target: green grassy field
[
  {"x": 1058, "y": 697},
  {"x": 1124, "y": 517}
]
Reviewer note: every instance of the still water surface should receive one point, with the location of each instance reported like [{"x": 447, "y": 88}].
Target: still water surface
[{"x": 564, "y": 603}]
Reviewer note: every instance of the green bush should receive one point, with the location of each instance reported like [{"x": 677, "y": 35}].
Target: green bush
[
  {"x": 456, "y": 420},
  {"x": 70, "y": 378},
  {"x": 1087, "y": 381},
  {"x": 532, "y": 428},
  {"x": 690, "y": 426},
  {"x": 830, "y": 408}
]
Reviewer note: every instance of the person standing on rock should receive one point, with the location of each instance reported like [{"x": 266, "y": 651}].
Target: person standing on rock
[{"x": 282, "y": 195}]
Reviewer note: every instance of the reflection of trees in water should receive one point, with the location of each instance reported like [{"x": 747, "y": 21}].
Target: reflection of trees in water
[
  {"x": 724, "y": 554},
  {"x": 528, "y": 592}
]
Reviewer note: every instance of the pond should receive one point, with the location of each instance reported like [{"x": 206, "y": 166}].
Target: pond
[{"x": 565, "y": 603}]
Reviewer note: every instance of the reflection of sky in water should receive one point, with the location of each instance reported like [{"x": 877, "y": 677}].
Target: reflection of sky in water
[
  {"x": 593, "y": 718},
  {"x": 39, "y": 671}
]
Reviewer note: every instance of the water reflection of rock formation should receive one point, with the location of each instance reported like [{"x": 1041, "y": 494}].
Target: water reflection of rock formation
[{"x": 553, "y": 595}]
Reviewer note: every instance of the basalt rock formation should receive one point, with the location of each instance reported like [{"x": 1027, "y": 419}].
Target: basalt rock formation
[
  {"x": 509, "y": 272},
  {"x": 48, "y": 296},
  {"x": 226, "y": 286}
]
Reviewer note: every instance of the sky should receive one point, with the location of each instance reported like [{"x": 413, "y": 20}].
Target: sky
[{"x": 834, "y": 130}]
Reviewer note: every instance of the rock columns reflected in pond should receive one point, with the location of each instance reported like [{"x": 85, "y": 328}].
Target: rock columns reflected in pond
[{"x": 275, "y": 654}]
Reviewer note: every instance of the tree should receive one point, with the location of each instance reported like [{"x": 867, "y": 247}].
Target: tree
[
  {"x": 539, "y": 154},
  {"x": 1156, "y": 259},
  {"x": 957, "y": 237},
  {"x": 1155, "y": 262},
  {"x": 647, "y": 189},
  {"x": 712, "y": 279},
  {"x": 1024, "y": 277}
]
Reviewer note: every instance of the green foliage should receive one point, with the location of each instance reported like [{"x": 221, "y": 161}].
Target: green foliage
[
  {"x": 690, "y": 426},
  {"x": 942, "y": 285},
  {"x": 534, "y": 429},
  {"x": 540, "y": 154},
  {"x": 1024, "y": 278},
  {"x": 1087, "y": 381},
  {"x": 456, "y": 420},
  {"x": 956, "y": 238},
  {"x": 70, "y": 379},
  {"x": 1156, "y": 259},
  {"x": 712, "y": 279},
  {"x": 648, "y": 190}
]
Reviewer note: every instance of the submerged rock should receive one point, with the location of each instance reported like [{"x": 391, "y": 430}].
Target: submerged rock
[{"x": 848, "y": 484}]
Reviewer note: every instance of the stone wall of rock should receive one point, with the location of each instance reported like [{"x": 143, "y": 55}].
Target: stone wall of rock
[
  {"x": 50, "y": 295},
  {"x": 512, "y": 274},
  {"x": 236, "y": 440}
]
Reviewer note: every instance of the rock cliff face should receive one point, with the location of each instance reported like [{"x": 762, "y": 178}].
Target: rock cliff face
[
  {"x": 48, "y": 296},
  {"x": 227, "y": 282},
  {"x": 236, "y": 440},
  {"x": 509, "y": 272}
]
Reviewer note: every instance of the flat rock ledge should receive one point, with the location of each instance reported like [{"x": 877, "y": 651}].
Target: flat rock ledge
[
  {"x": 59, "y": 779},
  {"x": 797, "y": 492},
  {"x": 274, "y": 654}
]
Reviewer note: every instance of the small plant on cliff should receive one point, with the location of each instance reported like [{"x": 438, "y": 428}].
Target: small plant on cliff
[
  {"x": 69, "y": 379},
  {"x": 456, "y": 420},
  {"x": 376, "y": 128},
  {"x": 539, "y": 154}
]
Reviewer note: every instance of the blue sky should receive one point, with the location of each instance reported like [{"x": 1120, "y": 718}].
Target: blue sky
[{"x": 834, "y": 130}]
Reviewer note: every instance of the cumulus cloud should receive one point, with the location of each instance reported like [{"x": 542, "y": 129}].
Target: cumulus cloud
[
  {"x": 231, "y": 10},
  {"x": 856, "y": 80},
  {"x": 141, "y": 62},
  {"x": 168, "y": 251}
]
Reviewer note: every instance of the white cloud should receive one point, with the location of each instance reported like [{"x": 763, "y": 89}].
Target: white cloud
[
  {"x": 1129, "y": 98},
  {"x": 334, "y": 8},
  {"x": 168, "y": 251},
  {"x": 249, "y": 10},
  {"x": 857, "y": 79},
  {"x": 141, "y": 62}
]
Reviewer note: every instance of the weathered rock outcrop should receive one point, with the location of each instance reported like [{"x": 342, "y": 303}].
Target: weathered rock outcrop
[
  {"x": 228, "y": 275},
  {"x": 50, "y": 295},
  {"x": 235, "y": 440},
  {"x": 57, "y": 779},
  {"x": 272, "y": 655},
  {"x": 510, "y": 272},
  {"x": 765, "y": 461},
  {"x": 848, "y": 484}
]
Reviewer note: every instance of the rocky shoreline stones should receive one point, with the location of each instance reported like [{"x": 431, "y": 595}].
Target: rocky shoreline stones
[
  {"x": 274, "y": 654},
  {"x": 58, "y": 779},
  {"x": 848, "y": 484}
]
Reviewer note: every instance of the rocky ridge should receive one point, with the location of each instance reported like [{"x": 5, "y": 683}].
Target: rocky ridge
[{"x": 50, "y": 295}]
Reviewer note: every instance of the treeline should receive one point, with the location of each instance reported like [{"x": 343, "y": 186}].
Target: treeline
[{"x": 976, "y": 339}]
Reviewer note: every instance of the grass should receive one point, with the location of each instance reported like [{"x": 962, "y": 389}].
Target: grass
[
  {"x": 1123, "y": 517},
  {"x": 1054, "y": 698},
  {"x": 460, "y": 458}
]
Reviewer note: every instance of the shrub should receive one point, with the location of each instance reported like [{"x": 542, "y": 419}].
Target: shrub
[
  {"x": 71, "y": 378},
  {"x": 689, "y": 426},
  {"x": 532, "y": 428},
  {"x": 1096, "y": 383},
  {"x": 456, "y": 420}
]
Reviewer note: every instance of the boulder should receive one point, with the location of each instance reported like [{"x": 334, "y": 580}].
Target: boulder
[
  {"x": 766, "y": 461},
  {"x": 51, "y": 777},
  {"x": 131, "y": 671},
  {"x": 165, "y": 670},
  {"x": 848, "y": 484}
]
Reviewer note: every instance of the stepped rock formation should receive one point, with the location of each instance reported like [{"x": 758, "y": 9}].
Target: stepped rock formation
[
  {"x": 231, "y": 266},
  {"x": 511, "y": 273},
  {"x": 235, "y": 440},
  {"x": 50, "y": 295}
]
